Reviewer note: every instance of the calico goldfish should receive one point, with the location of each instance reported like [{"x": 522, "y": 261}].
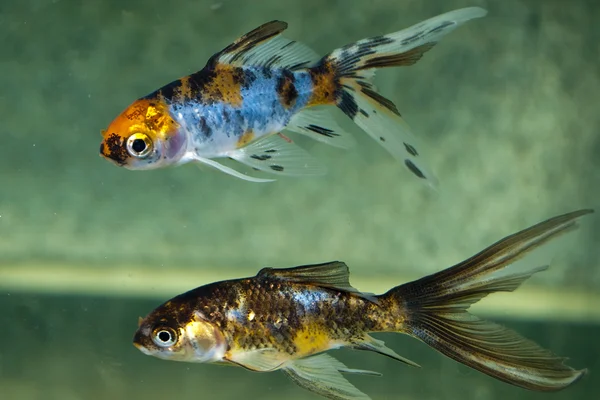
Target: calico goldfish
[
  {"x": 239, "y": 105},
  {"x": 286, "y": 319}
]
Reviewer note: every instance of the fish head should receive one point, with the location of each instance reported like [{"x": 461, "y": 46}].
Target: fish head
[
  {"x": 180, "y": 336},
  {"x": 144, "y": 136}
]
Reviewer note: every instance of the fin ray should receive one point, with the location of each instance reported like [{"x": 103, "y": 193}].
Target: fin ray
[
  {"x": 248, "y": 41},
  {"x": 369, "y": 343},
  {"x": 335, "y": 275},
  {"x": 265, "y": 47},
  {"x": 436, "y": 309},
  {"x": 259, "y": 360},
  {"x": 227, "y": 170},
  {"x": 352, "y": 69},
  {"x": 277, "y": 155},
  {"x": 396, "y": 48},
  {"x": 331, "y": 275},
  {"x": 319, "y": 124},
  {"x": 390, "y": 130},
  {"x": 321, "y": 374}
]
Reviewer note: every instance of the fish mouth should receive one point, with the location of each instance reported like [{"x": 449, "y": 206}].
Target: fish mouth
[{"x": 143, "y": 349}]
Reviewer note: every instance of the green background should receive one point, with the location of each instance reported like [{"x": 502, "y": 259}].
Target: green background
[{"x": 507, "y": 110}]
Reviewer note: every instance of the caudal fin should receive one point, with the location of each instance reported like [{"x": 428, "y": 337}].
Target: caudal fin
[
  {"x": 352, "y": 67},
  {"x": 436, "y": 312}
]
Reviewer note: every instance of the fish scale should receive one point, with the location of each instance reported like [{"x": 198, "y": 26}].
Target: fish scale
[{"x": 282, "y": 310}]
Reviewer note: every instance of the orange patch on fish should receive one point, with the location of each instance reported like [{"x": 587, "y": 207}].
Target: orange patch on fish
[
  {"x": 142, "y": 115},
  {"x": 311, "y": 340},
  {"x": 245, "y": 138},
  {"x": 324, "y": 85},
  {"x": 224, "y": 86},
  {"x": 149, "y": 117}
]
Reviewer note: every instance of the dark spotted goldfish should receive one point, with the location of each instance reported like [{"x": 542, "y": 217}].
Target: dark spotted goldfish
[
  {"x": 285, "y": 319},
  {"x": 262, "y": 84}
]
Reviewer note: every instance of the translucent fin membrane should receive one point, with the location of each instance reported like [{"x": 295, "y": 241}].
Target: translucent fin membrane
[{"x": 436, "y": 309}]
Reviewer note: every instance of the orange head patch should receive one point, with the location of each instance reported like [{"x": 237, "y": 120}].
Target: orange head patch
[{"x": 144, "y": 136}]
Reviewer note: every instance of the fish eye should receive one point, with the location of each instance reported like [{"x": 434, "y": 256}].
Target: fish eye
[
  {"x": 139, "y": 145},
  {"x": 164, "y": 337}
]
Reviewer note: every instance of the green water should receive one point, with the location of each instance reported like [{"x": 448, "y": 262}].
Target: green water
[{"x": 506, "y": 106}]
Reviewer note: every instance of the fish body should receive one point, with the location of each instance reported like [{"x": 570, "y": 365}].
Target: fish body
[
  {"x": 297, "y": 319},
  {"x": 286, "y": 319},
  {"x": 252, "y": 107},
  {"x": 239, "y": 105}
]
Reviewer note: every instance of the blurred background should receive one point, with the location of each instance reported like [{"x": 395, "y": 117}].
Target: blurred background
[{"x": 506, "y": 107}]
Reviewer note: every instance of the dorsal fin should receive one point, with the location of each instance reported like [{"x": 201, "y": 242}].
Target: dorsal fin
[
  {"x": 264, "y": 46},
  {"x": 331, "y": 275}
]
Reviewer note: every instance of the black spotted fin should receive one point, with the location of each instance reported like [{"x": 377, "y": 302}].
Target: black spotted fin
[
  {"x": 277, "y": 154},
  {"x": 352, "y": 68},
  {"x": 319, "y": 124}
]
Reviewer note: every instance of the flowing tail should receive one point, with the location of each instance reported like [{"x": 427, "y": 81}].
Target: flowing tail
[
  {"x": 436, "y": 312},
  {"x": 344, "y": 77}
]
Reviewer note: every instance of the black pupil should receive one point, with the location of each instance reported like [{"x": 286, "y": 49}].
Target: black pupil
[
  {"x": 138, "y": 145},
  {"x": 164, "y": 336}
]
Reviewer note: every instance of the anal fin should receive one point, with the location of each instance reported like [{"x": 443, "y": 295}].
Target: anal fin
[
  {"x": 378, "y": 346},
  {"x": 322, "y": 374},
  {"x": 278, "y": 155}
]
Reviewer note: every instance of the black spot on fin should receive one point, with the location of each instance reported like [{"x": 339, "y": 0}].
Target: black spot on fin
[
  {"x": 413, "y": 168},
  {"x": 322, "y": 131},
  {"x": 410, "y": 149}
]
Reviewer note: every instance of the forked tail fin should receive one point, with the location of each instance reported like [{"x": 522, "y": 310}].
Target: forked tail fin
[
  {"x": 436, "y": 312},
  {"x": 345, "y": 77}
]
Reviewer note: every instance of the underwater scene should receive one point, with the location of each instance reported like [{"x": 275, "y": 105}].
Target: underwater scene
[{"x": 248, "y": 149}]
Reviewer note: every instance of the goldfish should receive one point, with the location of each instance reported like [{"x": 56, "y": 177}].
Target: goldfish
[
  {"x": 287, "y": 319},
  {"x": 242, "y": 103}
]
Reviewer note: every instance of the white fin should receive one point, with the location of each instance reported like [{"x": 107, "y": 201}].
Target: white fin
[
  {"x": 264, "y": 46},
  {"x": 227, "y": 170},
  {"x": 393, "y": 134},
  {"x": 319, "y": 124},
  {"x": 355, "y": 66},
  {"x": 277, "y": 154},
  {"x": 391, "y": 47},
  {"x": 260, "y": 360},
  {"x": 378, "y": 346},
  {"x": 322, "y": 375}
]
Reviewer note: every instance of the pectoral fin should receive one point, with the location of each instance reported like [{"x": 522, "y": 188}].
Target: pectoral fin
[
  {"x": 322, "y": 374},
  {"x": 278, "y": 155},
  {"x": 227, "y": 170}
]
